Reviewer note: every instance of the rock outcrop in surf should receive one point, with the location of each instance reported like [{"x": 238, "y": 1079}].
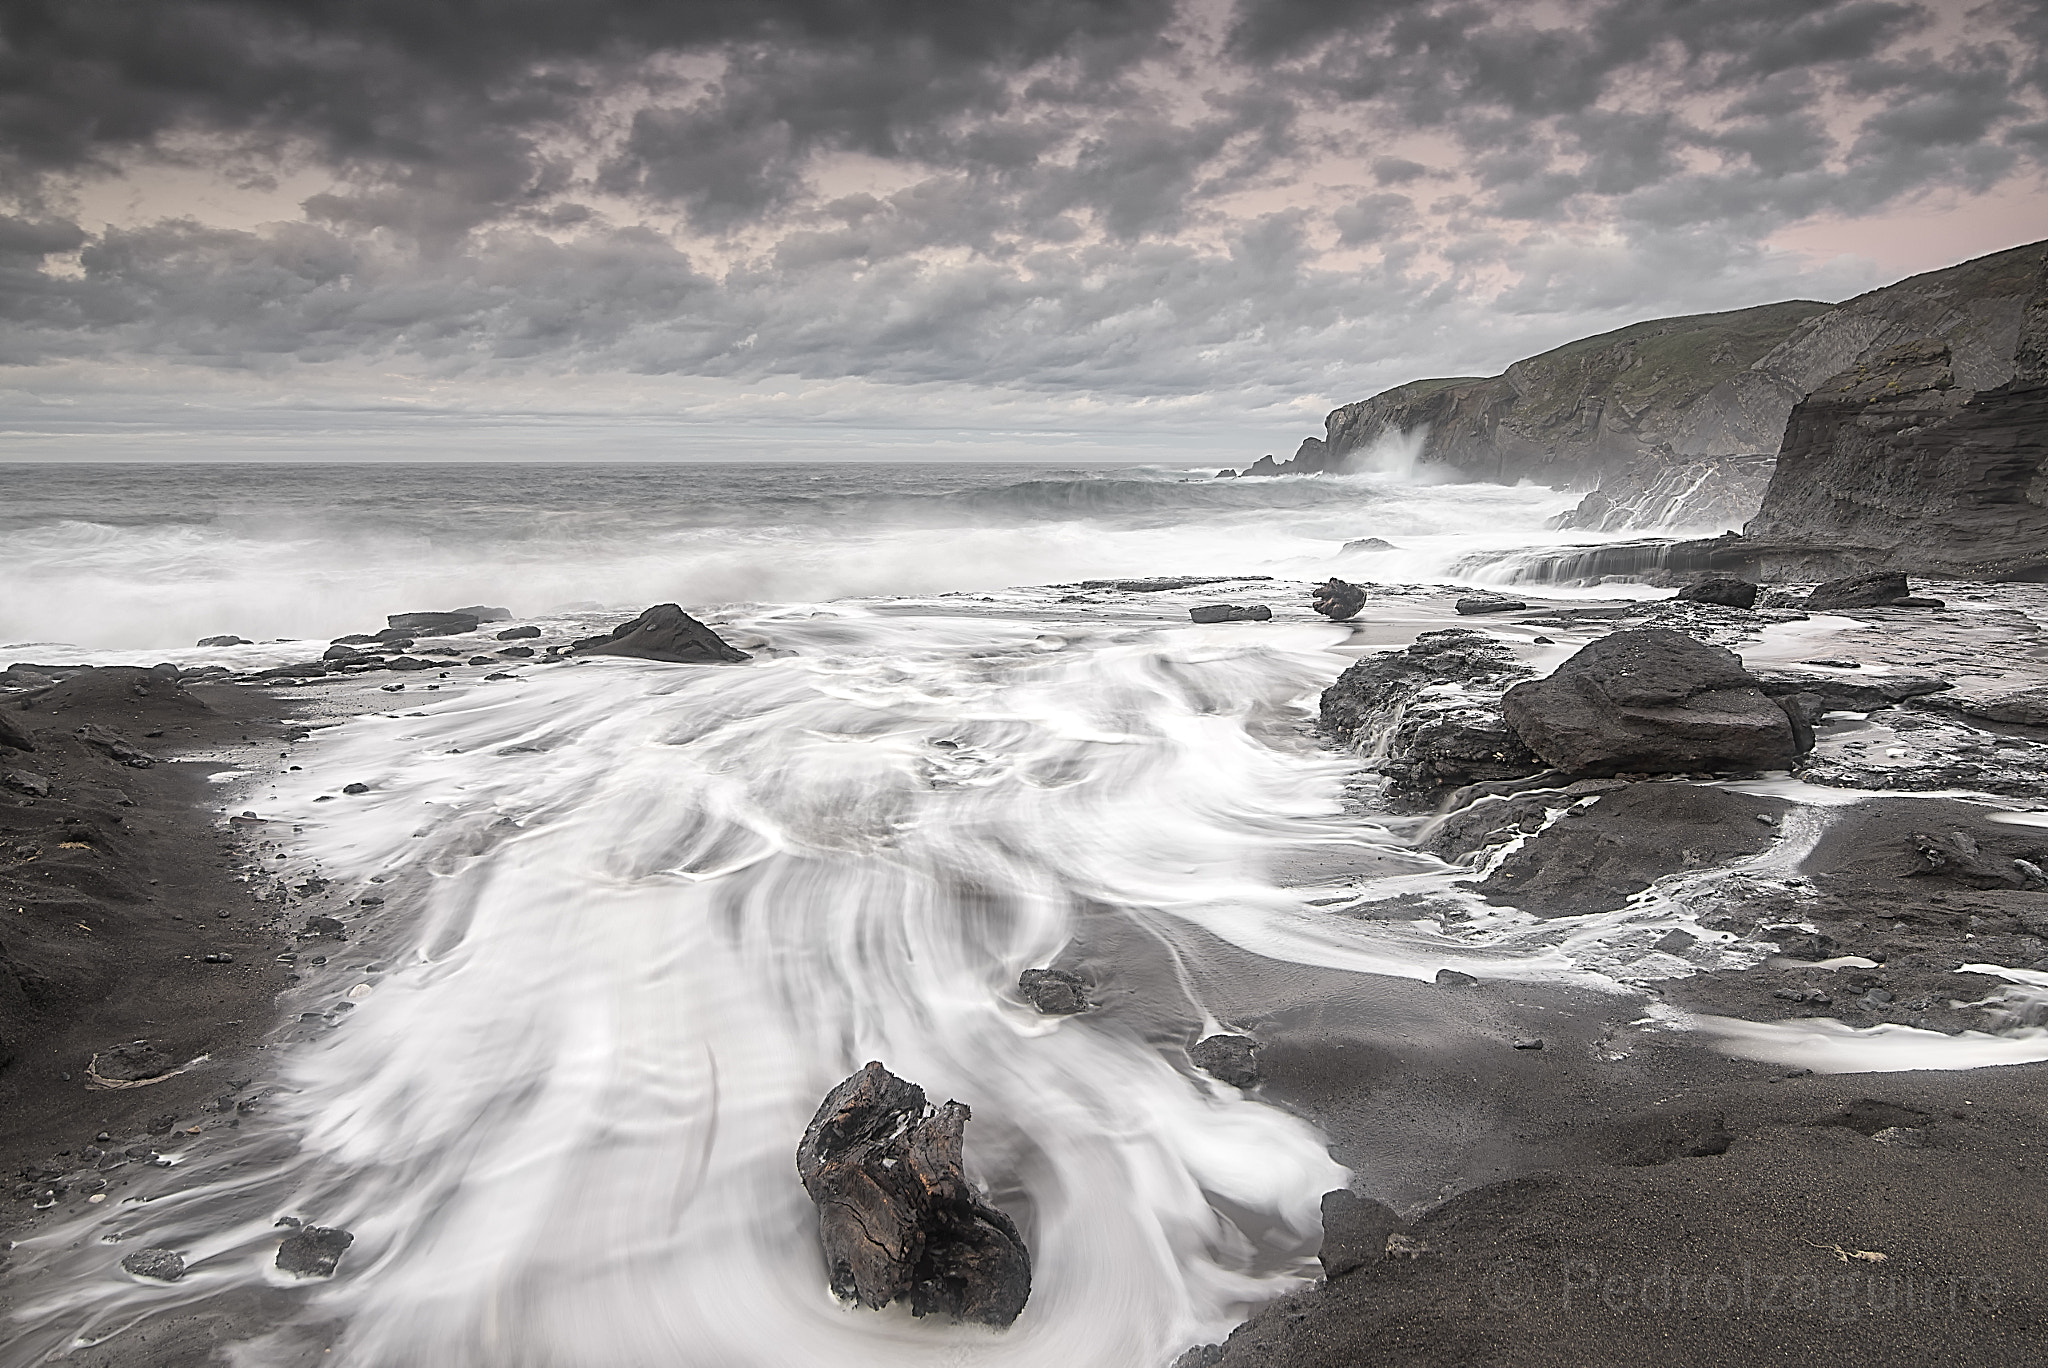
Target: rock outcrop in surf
[
  {"x": 896, "y": 1213},
  {"x": 663, "y": 632}
]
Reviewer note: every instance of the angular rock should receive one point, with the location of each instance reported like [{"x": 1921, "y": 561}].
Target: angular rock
[
  {"x": 225, "y": 641},
  {"x": 13, "y": 736},
  {"x": 1957, "y": 856},
  {"x": 664, "y": 632},
  {"x": 1452, "y": 978},
  {"x": 1337, "y": 600},
  {"x": 158, "y": 1265},
  {"x": 1726, "y": 590},
  {"x": 1865, "y": 693},
  {"x": 1473, "y": 605},
  {"x": 1230, "y": 1058},
  {"x": 896, "y": 1214},
  {"x": 1650, "y": 701},
  {"x": 1355, "y": 1232},
  {"x": 1429, "y": 716},
  {"x": 1054, "y": 992},
  {"x": 1874, "y": 589},
  {"x": 1230, "y": 612},
  {"x": 27, "y": 781},
  {"x": 313, "y": 1251}
]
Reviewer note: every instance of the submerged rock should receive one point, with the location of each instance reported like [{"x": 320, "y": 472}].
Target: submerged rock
[
  {"x": 158, "y": 1265},
  {"x": 896, "y": 1214},
  {"x": 1726, "y": 590},
  {"x": 1230, "y": 612},
  {"x": 664, "y": 632},
  {"x": 1651, "y": 701},
  {"x": 1473, "y": 605},
  {"x": 313, "y": 1251},
  {"x": 1054, "y": 992},
  {"x": 1230, "y": 1058},
  {"x": 1337, "y": 600},
  {"x": 1429, "y": 716}
]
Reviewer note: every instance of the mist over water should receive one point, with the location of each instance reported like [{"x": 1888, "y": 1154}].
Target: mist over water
[{"x": 106, "y": 557}]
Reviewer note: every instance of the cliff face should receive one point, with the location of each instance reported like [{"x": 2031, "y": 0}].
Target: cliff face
[
  {"x": 1679, "y": 389},
  {"x": 1569, "y": 415},
  {"x": 1898, "y": 463}
]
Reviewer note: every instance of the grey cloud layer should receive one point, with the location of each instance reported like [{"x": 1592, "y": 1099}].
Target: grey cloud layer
[{"x": 1123, "y": 198}]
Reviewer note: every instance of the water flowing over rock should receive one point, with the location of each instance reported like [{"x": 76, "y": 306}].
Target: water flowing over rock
[
  {"x": 1651, "y": 701},
  {"x": 1054, "y": 992},
  {"x": 663, "y": 632},
  {"x": 895, "y": 1211},
  {"x": 1662, "y": 491},
  {"x": 1429, "y": 716}
]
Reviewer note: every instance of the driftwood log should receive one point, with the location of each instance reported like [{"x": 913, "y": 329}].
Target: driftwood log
[{"x": 895, "y": 1211}]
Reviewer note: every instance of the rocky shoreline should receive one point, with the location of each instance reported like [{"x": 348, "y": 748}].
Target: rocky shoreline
[{"x": 1567, "y": 1175}]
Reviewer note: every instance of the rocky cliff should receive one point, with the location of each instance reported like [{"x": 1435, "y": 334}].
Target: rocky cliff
[{"x": 1674, "y": 390}]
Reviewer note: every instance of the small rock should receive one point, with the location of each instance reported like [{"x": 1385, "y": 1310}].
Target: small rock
[
  {"x": 27, "y": 781},
  {"x": 1054, "y": 992},
  {"x": 517, "y": 652},
  {"x": 1676, "y": 942},
  {"x": 313, "y": 1251},
  {"x": 158, "y": 1265},
  {"x": 1451, "y": 978},
  {"x": 220, "y": 958},
  {"x": 1231, "y": 1058},
  {"x": 1528, "y": 1043},
  {"x": 1337, "y": 600},
  {"x": 1474, "y": 604},
  {"x": 1230, "y": 612},
  {"x": 1725, "y": 590},
  {"x": 483, "y": 660},
  {"x": 224, "y": 641},
  {"x": 330, "y": 928},
  {"x": 355, "y": 788},
  {"x": 519, "y": 633}
]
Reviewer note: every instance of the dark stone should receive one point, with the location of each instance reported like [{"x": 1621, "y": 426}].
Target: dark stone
[
  {"x": 13, "y": 736},
  {"x": 27, "y": 781},
  {"x": 1055, "y": 992},
  {"x": 1676, "y": 942},
  {"x": 1725, "y": 590},
  {"x": 518, "y": 633},
  {"x": 483, "y": 613},
  {"x": 664, "y": 632},
  {"x": 357, "y": 639},
  {"x": 896, "y": 1214},
  {"x": 483, "y": 660},
  {"x": 1876, "y": 589},
  {"x": 1426, "y": 739},
  {"x": 355, "y": 788},
  {"x": 517, "y": 652},
  {"x": 1528, "y": 1043},
  {"x": 405, "y": 662},
  {"x": 1957, "y": 856},
  {"x": 1821, "y": 694},
  {"x": 1793, "y": 943},
  {"x": 1917, "y": 601},
  {"x": 1230, "y": 612},
  {"x": 1473, "y": 605},
  {"x": 225, "y": 641},
  {"x": 158, "y": 1265},
  {"x": 132, "y": 1061},
  {"x": 1650, "y": 701},
  {"x": 313, "y": 1251},
  {"x": 1451, "y": 978},
  {"x": 330, "y": 928},
  {"x": 1337, "y": 600},
  {"x": 1354, "y": 1232},
  {"x": 433, "y": 624},
  {"x": 1231, "y": 1058}
]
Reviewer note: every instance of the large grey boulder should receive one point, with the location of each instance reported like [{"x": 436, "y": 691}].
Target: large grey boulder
[
  {"x": 1650, "y": 701},
  {"x": 663, "y": 632},
  {"x": 895, "y": 1211}
]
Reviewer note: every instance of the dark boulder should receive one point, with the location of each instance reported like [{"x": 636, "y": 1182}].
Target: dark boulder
[
  {"x": 664, "y": 632},
  {"x": 225, "y": 641},
  {"x": 519, "y": 633},
  {"x": 1877, "y": 589},
  {"x": 1230, "y": 612},
  {"x": 313, "y": 1251},
  {"x": 1726, "y": 590},
  {"x": 1355, "y": 1232},
  {"x": 1429, "y": 716},
  {"x": 1231, "y": 1058},
  {"x": 1054, "y": 992},
  {"x": 484, "y": 612},
  {"x": 1337, "y": 600},
  {"x": 1650, "y": 701},
  {"x": 13, "y": 736},
  {"x": 453, "y": 623},
  {"x": 896, "y": 1214}
]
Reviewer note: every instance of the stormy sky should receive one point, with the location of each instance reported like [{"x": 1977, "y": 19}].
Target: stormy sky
[{"x": 1049, "y": 228}]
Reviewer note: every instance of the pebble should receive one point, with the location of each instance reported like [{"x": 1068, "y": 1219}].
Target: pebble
[{"x": 1528, "y": 1043}]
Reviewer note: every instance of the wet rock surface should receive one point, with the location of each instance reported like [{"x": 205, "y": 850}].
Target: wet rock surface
[
  {"x": 896, "y": 1214},
  {"x": 1054, "y": 992},
  {"x": 1726, "y": 590},
  {"x": 1230, "y": 612},
  {"x": 158, "y": 1265},
  {"x": 1337, "y": 600},
  {"x": 1875, "y": 589},
  {"x": 664, "y": 632},
  {"x": 1230, "y": 1058},
  {"x": 1650, "y": 700},
  {"x": 313, "y": 1251},
  {"x": 1429, "y": 716}
]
